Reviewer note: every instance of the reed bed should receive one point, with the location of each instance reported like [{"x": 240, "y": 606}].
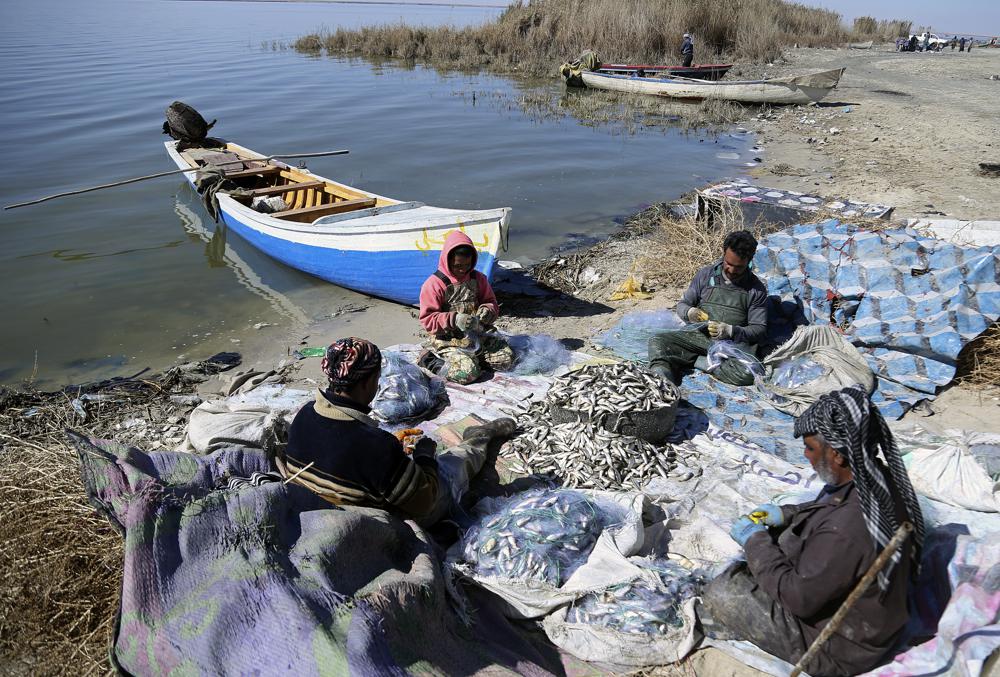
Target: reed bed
[
  {"x": 60, "y": 560},
  {"x": 886, "y": 30},
  {"x": 536, "y": 36}
]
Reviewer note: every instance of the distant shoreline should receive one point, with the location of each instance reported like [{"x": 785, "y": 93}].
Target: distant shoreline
[{"x": 421, "y": 3}]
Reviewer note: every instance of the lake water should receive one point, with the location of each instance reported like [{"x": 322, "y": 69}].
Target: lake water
[{"x": 113, "y": 281}]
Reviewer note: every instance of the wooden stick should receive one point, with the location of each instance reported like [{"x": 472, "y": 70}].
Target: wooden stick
[
  {"x": 156, "y": 176},
  {"x": 897, "y": 540},
  {"x": 301, "y": 470}
]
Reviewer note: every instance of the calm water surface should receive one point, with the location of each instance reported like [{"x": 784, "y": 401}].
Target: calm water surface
[{"x": 114, "y": 281}]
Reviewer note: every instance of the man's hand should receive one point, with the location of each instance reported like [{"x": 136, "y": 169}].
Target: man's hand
[
  {"x": 744, "y": 528},
  {"x": 409, "y": 438},
  {"x": 485, "y": 315},
  {"x": 697, "y": 315},
  {"x": 466, "y": 322},
  {"x": 424, "y": 448},
  {"x": 768, "y": 514},
  {"x": 720, "y": 330}
]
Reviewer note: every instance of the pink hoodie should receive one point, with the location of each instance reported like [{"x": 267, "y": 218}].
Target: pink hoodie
[{"x": 433, "y": 315}]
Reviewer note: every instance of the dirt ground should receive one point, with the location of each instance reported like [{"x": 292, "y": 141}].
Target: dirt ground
[{"x": 904, "y": 129}]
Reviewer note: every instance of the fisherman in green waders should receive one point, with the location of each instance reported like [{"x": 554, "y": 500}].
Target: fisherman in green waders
[{"x": 725, "y": 301}]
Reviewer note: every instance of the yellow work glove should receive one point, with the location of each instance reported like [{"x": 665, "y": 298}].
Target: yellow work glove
[
  {"x": 697, "y": 315},
  {"x": 720, "y": 330}
]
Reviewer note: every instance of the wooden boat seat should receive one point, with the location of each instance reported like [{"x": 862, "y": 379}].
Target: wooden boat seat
[
  {"x": 256, "y": 171},
  {"x": 306, "y": 214},
  {"x": 287, "y": 188}
]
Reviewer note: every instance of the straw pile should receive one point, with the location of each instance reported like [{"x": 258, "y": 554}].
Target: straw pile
[
  {"x": 979, "y": 361},
  {"x": 60, "y": 561}
]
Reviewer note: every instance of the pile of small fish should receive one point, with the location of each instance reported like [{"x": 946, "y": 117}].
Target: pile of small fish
[
  {"x": 640, "y": 606},
  {"x": 541, "y": 535},
  {"x": 606, "y": 391},
  {"x": 589, "y": 455}
]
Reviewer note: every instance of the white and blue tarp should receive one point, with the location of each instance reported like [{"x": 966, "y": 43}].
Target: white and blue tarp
[{"x": 909, "y": 303}]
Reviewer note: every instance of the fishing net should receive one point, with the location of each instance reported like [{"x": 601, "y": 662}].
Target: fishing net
[
  {"x": 629, "y": 339},
  {"x": 649, "y": 605},
  {"x": 540, "y": 535},
  {"x": 405, "y": 391},
  {"x": 538, "y": 354}
]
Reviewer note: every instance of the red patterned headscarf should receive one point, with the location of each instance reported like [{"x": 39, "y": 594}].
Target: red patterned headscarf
[{"x": 350, "y": 360}]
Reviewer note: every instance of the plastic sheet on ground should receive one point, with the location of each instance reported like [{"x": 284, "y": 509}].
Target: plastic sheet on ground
[
  {"x": 273, "y": 577},
  {"x": 909, "y": 302}
]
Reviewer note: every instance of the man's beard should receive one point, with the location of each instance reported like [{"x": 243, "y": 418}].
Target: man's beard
[{"x": 824, "y": 469}]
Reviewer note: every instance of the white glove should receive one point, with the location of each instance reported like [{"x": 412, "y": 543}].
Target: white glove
[
  {"x": 466, "y": 322},
  {"x": 720, "y": 330},
  {"x": 696, "y": 315}
]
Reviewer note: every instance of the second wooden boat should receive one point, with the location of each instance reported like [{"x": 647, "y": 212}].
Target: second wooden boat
[
  {"x": 802, "y": 89},
  {"x": 710, "y": 71}
]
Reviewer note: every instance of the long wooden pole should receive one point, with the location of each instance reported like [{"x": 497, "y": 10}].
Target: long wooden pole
[
  {"x": 156, "y": 176},
  {"x": 897, "y": 540}
]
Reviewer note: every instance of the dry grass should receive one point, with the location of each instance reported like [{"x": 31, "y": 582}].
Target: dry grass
[
  {"x": 60, "y": 561},
  {"x": 680, "y": 245},
  {"x": 885, "y": 30},
  {"x": 535, "y": 37},
  {"x": 979, "y": 361}
]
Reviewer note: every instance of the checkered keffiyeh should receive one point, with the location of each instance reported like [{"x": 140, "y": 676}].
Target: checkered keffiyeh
[
  {"x": 856, "y": 429},
  {"x": 350, "y": 360}
]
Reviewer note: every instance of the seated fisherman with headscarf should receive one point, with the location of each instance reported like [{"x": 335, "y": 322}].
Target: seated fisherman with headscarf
[
  {"x": 338, "y": 452},
  {"x": 802, "y": 561},
  {"x": 732, "y": 301},
  {"x": 458, "y": 308}
]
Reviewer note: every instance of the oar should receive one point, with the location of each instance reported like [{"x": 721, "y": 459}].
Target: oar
[{"x": 156, "y": 176}]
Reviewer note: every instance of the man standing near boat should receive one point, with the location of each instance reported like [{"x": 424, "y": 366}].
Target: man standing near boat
[
  {"x": 687, "y": 50},
  {"x": 725, "y": 302}
]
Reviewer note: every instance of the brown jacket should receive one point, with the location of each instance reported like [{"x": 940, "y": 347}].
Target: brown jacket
[{"x": 811, "y": 566}]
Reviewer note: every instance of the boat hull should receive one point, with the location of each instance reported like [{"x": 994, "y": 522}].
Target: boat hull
[
  {"x": 782, "y": 92},
  {"x": 386, "y": 252}
]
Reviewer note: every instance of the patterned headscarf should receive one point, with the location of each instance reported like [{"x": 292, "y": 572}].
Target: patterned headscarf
[
  {"x": 856, "y": 429},
  {"x": 350, "y": 360}
]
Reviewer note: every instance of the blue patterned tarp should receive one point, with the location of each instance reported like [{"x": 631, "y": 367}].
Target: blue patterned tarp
[{"x": 909, "y": 303}]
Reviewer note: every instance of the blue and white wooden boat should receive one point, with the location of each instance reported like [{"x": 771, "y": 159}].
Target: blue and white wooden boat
[{"x": 350, "y": 237}]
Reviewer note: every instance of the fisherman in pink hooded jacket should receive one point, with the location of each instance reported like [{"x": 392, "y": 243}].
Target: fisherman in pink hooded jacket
[{"x": 458, "y": 308}]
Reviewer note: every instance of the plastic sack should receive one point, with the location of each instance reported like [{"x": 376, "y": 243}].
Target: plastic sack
[
  {"x": 539, "y": 354},
  {"x": 648, "y": 620},
  {"x": 647, "y": 605},
  {"x": 543, "y": 548},
  {"x": 720, "y": 351},
  {"x": 798, "y": 371},
  {"x": 405, "y": 391},
  {"x": 629, "y": 339},
  {"x": 952, "y": 467}
]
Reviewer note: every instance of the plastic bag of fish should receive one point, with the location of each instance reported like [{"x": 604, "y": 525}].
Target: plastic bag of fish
[
  {"x": 541, "y": 535},
  {"x": 798, "y": 371},
  {"x": 405, "y": 391},
  {"x": 649, "y": 604},
  {"x": 646, "y": 620}
]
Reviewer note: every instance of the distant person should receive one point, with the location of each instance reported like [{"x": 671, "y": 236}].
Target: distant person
[
  {"x": 913, "y": 44},
  {"x": 725, "y": 302},
  {"x": 969, "y": 48},
  {"x": 687, "y": 50},
  {"x": 961, "y": 45},
  {"x": 927, "y": 41},
  {"x": 458, "y": 309},
  {"x": 953, "y": 42}
]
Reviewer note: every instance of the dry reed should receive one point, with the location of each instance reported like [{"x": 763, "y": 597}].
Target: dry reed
[
  {"x": 979, "y": 361},
  {"x": 537, "y": 36},
  {"x": 60, "y": 561},
  {"x": 871, "y": 28}
]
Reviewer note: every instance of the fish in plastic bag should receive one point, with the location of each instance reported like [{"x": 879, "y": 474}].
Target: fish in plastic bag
[
  {"x": 798, "y": 371},
  {"x": 405, "y": 391}
]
